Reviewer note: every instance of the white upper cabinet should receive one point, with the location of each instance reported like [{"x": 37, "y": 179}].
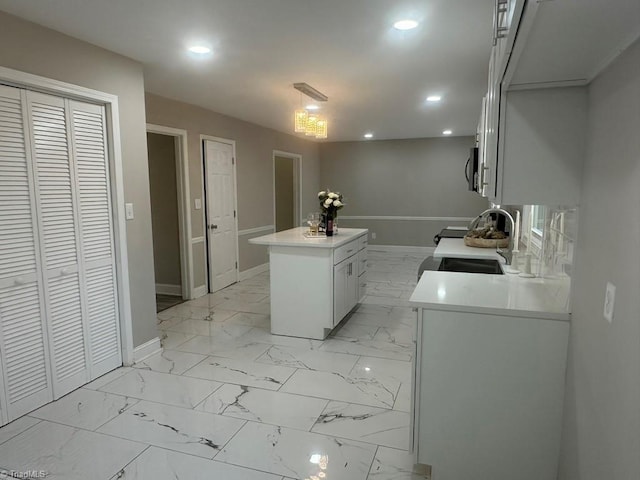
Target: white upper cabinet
[
  {"x": 506, "y": 22},
  {"x": 567, "y": 43},
  {"x": 542, "y": 146},
  {"x": 507, "y": 15},
  {"x": 535, "y": 111}
]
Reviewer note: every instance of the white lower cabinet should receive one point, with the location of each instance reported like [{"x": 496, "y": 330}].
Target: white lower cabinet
[
  {"x": 345, "y": 288},
  {"x": 488, "y": 395},
  {"x": 58, "y": 304},
  {"x": 362, "y": 273}
]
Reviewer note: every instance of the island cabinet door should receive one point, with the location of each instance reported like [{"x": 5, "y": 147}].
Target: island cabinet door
[
  {"x": 345, "y": 288},
  {"x": 340, "y": 279}
]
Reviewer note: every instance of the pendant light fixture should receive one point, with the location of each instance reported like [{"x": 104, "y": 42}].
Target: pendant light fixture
[
  {"x": 311, "y": 124},
  {"x": 300, "y": 116},
  {"x": 321, "y": 128}
]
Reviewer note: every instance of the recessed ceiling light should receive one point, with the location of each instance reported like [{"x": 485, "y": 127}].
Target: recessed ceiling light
[
  {"x": 447, "y": 132},
  {"x": 199, "y": 49},
  {"x": 368, "y": 135},
  {"x": 312, "y": 107},
  {"x": 405, "y": 24},
  {"x": 434, "y": 98}
]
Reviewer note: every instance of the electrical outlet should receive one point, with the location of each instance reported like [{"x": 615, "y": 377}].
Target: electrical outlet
[
  {"x": 373, "y": 235},
  {"x": 609, "y": 301},
  {"x": 128, "y": 211}
]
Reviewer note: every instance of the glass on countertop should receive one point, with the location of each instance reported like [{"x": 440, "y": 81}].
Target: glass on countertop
[{"x": 313, "y": 220}]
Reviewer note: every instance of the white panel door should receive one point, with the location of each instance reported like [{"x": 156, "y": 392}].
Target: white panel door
[
  {"x": 88, "y": 135},
  {"x": 23, "y": 347},
  {"x": 221, "y": 221},
  {"x": 58, "y": 225}
]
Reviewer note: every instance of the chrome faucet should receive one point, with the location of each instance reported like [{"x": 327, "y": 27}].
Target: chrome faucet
[{"x": 509, "y": 253}]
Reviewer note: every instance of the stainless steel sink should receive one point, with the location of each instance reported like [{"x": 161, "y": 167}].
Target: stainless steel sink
[
  {"x": 471, "y": 265},
  {"x": 467, "y": 265}
]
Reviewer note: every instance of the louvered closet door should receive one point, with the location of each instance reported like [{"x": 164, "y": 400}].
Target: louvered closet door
[
  {"x": 23, "y": 349},
  {"x": 59, "y": 240},
  {"x": 98, "y": 259}
]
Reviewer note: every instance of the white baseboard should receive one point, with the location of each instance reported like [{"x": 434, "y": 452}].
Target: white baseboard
[
  {"x": 401, "y": 249},
  {"x": 141, "y": 352},
  {"x": 166, "y": 289},
  {"x": 200, "y": 291},
  {"x": 252, "y": 272}
]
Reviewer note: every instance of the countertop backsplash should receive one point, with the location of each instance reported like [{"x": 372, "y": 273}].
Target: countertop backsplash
[{"x": 549, "y": 234}]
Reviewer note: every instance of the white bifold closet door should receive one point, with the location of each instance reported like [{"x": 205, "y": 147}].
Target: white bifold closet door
[
  {"x": 59, "y": 241},
  {"x": 23, "y": 342},
  {"x": 88, "y": 134},
  {"x": 66, "y": 242}
]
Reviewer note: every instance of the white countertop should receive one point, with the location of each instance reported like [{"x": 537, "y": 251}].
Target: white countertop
[
  {"x": 495, "y": 294},
  {"x": 455, "y": 248},
  {"x": 295, "y": 238}
]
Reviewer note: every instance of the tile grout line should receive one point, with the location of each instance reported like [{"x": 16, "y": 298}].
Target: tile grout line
[{"x": 28, "y": 415}]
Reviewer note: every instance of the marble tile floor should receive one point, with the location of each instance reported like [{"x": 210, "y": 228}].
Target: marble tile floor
[{"x": 227, "y": 400}]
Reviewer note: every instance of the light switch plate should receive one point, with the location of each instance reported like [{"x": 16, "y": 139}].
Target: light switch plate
[
  {"x": 609, "y": 301},
  {"x": 197, "y": 204},
  {"x": 128, "y": 211}
]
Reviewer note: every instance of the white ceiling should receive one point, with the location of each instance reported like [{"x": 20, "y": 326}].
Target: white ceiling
[{"x": 376, "y": 78}]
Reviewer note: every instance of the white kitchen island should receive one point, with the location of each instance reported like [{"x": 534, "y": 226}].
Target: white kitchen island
[{"x": 315, "y": 281}]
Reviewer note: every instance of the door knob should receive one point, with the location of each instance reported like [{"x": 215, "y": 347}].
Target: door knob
[{"x": 213, "y": 227}]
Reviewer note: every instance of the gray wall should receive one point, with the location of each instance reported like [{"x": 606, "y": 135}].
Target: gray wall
[
  {"x": 283, "y": 168},
  {"x": 401, "y": 178},
  {"x": 34, "y": 49},
  {"x": 164, "y": 208},
  {"x": 254, "y": 167},
  {"x": 601, "y": 437}
]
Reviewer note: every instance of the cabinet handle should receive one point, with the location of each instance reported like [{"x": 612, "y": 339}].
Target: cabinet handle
[
  {"x": 501, "y": 6},
  {"x": 19, "y": 281},
  {"x": 64, "y": 271}
]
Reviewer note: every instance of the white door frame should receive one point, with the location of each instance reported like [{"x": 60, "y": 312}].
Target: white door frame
[
  {"x": 184, "y": 204},
  {"x": 20, "y": 79},
  {"x": 297, "y": 187},
  {"x": 203, "y": 165}
]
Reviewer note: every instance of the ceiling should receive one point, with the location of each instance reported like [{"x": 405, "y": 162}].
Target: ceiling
[{"x": 376, "y": 77}]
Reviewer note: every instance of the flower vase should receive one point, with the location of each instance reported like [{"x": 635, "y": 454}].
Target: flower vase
[{"x": 329, "y": 225}]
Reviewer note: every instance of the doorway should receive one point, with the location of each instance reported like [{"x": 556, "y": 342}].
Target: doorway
[
  {"x": 286, "y": 190},
  {"x": 221, "y": 218},
  {"x": 169, "y": 216}
]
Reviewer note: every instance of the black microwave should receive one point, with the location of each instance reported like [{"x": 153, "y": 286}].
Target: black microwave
[{"x": 471, "y": 170}]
